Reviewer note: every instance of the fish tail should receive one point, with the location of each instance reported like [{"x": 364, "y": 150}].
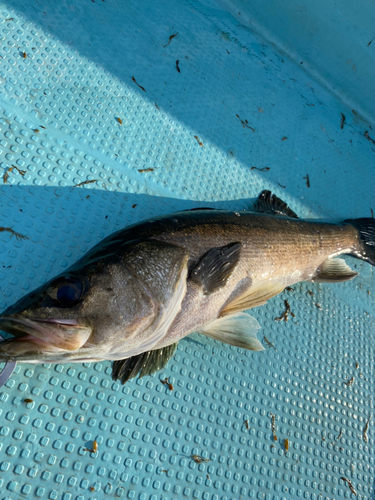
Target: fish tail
[{"x": 366, "y": 230}]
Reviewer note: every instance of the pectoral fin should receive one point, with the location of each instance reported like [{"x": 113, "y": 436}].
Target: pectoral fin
[
  {"x": 143, "y": 364},
  {"x": 215, "y": 267},
  {"x": 334, "y": 271},
  {"x": 239, "y": 330}
]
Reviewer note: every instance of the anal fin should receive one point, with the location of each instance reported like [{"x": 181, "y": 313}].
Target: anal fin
[
  {"x": 334, "y": 271},
  {"x": 254, "y": 296},
  {"x": 239, "y": 330},
  {"x": 143, "y": 364}
]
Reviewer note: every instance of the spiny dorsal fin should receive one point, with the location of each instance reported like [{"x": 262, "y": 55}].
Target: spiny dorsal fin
[
  {"x": 239, "y": 330},
  {"x": 269, "y": 203},
  {"x": 143, "y": 364},
  {"x": 334, "y": 271},
  {"x": 215, "y": 267}
]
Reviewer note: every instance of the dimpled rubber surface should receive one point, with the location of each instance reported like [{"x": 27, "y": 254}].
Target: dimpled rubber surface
[{"x": 70, "y": 112}]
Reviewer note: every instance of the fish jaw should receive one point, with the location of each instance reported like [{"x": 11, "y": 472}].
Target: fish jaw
[{"x": 35, "y": 340}]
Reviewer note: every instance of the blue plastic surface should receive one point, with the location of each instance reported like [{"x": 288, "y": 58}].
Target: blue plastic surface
[
  {"x": 90, "y": 91},
  {"x": 334, "y": 42}
]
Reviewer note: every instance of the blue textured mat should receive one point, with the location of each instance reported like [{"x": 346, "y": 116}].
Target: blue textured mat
[{"x": 90, "y": 91}]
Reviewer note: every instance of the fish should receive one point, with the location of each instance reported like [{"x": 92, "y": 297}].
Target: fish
[{"x": 134, "y": 295}]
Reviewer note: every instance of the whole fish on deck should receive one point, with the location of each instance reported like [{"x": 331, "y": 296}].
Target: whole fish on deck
[{"x": 138, "y": 292}]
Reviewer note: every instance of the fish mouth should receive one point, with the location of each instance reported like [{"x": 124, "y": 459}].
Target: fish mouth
[{"x": 46, "y": 335}]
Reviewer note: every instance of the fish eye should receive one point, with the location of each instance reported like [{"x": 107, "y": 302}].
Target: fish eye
[{"x": 66, "y": 292}]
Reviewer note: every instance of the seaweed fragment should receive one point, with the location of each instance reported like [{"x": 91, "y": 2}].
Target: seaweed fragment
[
  {"x": 170, "y": 39},
  {"x": 199, "y": 142},
  {"x": 10, "y": 169},
  {"x": 18, "y": 236},
  {"x": 349, "y": 382},
  {"x": 140, "y": 86},
  {"x": 273, "y": 426},
  {"x": 85, "y": 182},
  {"x": 166, "y": 382},
  {"x": 286, "y": 313},
  {"x": 198, "y": 459},
  {"x": 268, "y": 343},
  {"x": 366, "y": 134},
  {"x": 351, "y": 487},
  {"x": 342, "y": 123},
  {"x": 245, "y": 124},
  {"x": 365, "y": 437}
]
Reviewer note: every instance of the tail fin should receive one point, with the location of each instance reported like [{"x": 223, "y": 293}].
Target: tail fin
[{"x": 366, "y": 230}]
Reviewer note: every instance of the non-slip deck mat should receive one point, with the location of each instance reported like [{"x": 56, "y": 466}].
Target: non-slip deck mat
[{"x": 154, "y": 107}]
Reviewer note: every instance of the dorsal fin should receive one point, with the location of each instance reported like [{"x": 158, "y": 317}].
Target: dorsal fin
[
  {"x": 269, "y": 203},
  {"x": 142, "y": 364}
]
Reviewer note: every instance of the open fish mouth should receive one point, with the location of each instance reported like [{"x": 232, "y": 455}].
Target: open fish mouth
[{"x": 50, "y": 334}]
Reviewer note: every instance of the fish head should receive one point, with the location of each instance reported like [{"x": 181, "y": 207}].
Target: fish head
[
  {"x": 50, "y": 315},
  {"x": 77, "y": 316}
]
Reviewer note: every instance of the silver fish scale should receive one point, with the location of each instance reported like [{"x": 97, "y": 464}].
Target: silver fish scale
[
  {"x": 184, "y": 142},
  {"x": 157, "y": 266}
]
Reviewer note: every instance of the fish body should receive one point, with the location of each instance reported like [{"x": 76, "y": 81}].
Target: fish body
[
  {"x": 275, "y": 253},
  {"x": 138, "y": 292}
]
